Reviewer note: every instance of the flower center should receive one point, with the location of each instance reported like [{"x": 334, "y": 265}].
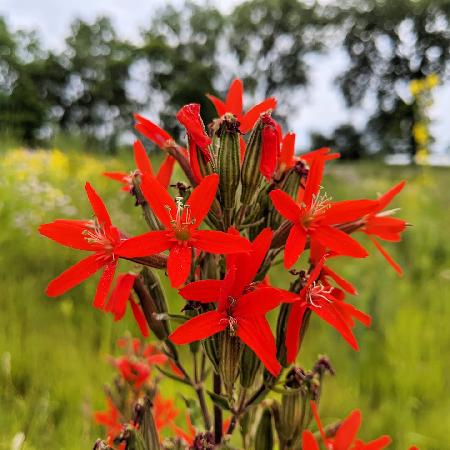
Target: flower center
[
  {"x": 316, "y": 292},
  {"x": 95, "y": 234},
  {"x": 230, "y": 320},
  {"x": 182, "y": 221},
  {"x": 320, "y": 203}
]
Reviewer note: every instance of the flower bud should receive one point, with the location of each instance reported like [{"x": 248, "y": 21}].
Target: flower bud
[
  {"x": 250, "y": 366},
  {"x": 228, "y": 165},
  {"x": 230, "y": 349},
  {"x": 264, "y": 433},
  {"x": 292, "y": 405},
  {"x": 211, "y": 347},
  {"x": 148, "y": 433},
  {"x": 153, "y": 301}
]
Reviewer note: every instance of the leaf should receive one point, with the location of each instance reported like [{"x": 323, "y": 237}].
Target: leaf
[{"x": 219, "y": 400}]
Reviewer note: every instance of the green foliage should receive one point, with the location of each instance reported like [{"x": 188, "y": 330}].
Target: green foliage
[{"x": 53, "y": 351}]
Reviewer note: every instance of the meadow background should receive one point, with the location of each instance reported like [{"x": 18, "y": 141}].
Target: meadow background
[{"x": 53, "y": 352}]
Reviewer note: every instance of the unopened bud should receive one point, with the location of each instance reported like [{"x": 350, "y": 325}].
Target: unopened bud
[
  {"x": 230, "y": 353},
  {"x": 148, "y": 433},
  {"x": 250, "y": 366},
  {"x": 264, "y": 433},
  {"x": 203, "y": 441},
  {"x": 153, "y": 301},
  {"x": 228, "y": 165},
  {"x": 250, "y": 175}
]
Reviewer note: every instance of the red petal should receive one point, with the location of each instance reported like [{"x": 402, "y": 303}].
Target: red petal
[
  {"x": 249, "y": 119},
  {"x": 152, "y": 131},
  {"x": 220, "y": 106},
  {"x": 67, "y": 232},
  {"x": 140, "y": 318},
  {"x": 200, "y": 327},
  {"x": 386, "y": 198},
  {"x": 388, "y": 257},
  {"x": 165, "y": 171},
  {"x": 98, "y": 206},
  {"x": 379, "y": 444},
  {"x": 256, "y": 333},
  {"x": 179, "y": 264},
  {"x": 331, "y": 315},
  {"x": 347, "y": 431},
  {"x": 344, "y": 284},
  {"x": 116, "y": 176},
  {"x": 159, "y": 200},
  {"x": 258, "y": 302},
  {"x": 204, "y": 291},
  {"x": 141, "y": 159},
  {"x": 219, "y": 242},
  {"x": 270, "y": 150},
  {"x": 285, "y": 205},
  {"x": 286, "y": 159},
  {"x": 338, "y": 241},
  {"x": 314, "y": 179},
  {"x": 234, "y": 97},
  {"x": 293, "y": 327},
  {"x": 104, "y": 285},
  {"x": 75, "y": 275},
  {"x": 248, "y": 264},
  {"x": 144, "y": 245},
  {"x": 318, "y": 422},
  {"x": 193, "y": 161},
  {"x": 295, "y": 245},
  {"x": 386, "y": 228},
  {"x": 309, "y": 441},
  {"x": 347, "y": 211},
  {"x": 118, "y": 299},
  {"x": 201, "y": 198}
]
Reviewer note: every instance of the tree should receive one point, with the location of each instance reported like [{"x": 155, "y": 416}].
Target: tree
[{"x": 389, "y": 45}]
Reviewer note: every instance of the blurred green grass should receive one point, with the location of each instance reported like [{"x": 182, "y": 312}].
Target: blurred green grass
[{"x": 53, "y": 351}]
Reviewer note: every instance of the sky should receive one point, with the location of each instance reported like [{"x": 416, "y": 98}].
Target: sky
[{"x": 322, "y": 106}]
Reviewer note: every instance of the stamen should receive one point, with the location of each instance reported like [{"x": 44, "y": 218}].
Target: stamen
[{"x": 318, "y": 292}]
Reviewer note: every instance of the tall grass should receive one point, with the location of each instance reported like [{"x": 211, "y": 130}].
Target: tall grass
[{"x": 53, "y": 351}]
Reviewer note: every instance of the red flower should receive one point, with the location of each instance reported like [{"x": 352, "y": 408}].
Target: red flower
[
  {"x": 233, "y": 105},
  {"x": 134, "y": 372},
  {"x": 153, "y": 132},
  {"x": 110, "y": 419},
  {"x": 181, "y": 234},
  {"x": 379, "y": 224},
  {"x": 144, "y": 168},
  {"x": 241, "y": 305},
  {"x": 98, "y": 236},
  {"x": 345, "y": 438},
  {"x": 328, "y": 303},
  {"x": 189, "y": 116},
  {"x": 314, "y": 216},
  {"x": 120, "y": 296}
]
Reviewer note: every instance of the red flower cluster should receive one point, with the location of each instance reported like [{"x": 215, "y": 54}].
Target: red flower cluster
[{"x": 250, "y": 199}]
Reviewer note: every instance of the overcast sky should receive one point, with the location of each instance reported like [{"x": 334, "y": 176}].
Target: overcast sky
[{"x": 322, "y": 109}]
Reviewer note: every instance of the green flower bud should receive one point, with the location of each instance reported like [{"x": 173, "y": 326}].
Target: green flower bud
[
  {"x": 228, "y": 162},
  {"x": 264, "y": 433},
  {"x": 230, "y": 349},
  {"x": 250, "y": 366},
  {"x": 153, "y": 301}
]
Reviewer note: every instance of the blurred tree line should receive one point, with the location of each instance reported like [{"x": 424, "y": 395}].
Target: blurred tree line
[{"x": 92, "y": 86}]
